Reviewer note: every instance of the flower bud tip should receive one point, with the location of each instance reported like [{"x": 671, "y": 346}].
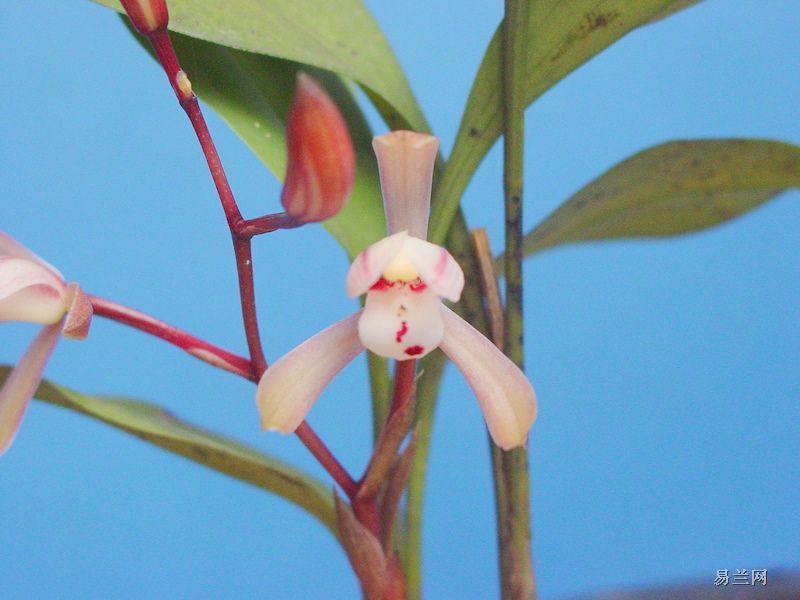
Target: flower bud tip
[{"x": 321, "y": 162}]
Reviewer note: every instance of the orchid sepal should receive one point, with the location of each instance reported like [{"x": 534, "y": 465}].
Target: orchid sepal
[
  {"x": 290, "y": 387},
  {"x": 19, "y": 387},
  {"x": 504, "y": 393},
  {"x": 405, "y": 164}
]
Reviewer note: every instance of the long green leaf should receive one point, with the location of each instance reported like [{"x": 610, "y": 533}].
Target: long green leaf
[
  {"x": 253, "y": 93},
  {"x": 338, "y": 36},
  {"x": 157, "y": 426},
  {"x": 671, "y": 189},
  {"x": 562, "y": 35}
]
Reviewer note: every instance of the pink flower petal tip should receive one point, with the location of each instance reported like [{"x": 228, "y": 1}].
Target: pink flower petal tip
[
  {"x": 289, "y": 388},
  {"x": 505, "y": 395},
  {"x": 19, "y": 387},
  {"x": 405, "y": 162}
]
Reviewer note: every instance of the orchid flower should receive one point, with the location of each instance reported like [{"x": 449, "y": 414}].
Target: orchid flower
[
  {"x": 32, "y": 291},
  {"x": 405, "y": 278}
]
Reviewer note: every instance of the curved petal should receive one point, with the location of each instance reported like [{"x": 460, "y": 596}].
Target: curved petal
[
  {"x": 79, "y": 315},
  {"x": 18, "y": 389},
  {"x": 401, "y": 323},
  {"x": 436, "y": 267},
  {"x": 11, "y": 247},
  {"x": 30, "y": 292},
  {"x": 504, "y": 393},
  {"x": 405, "y": 162},
  {"x": 290, "y": 387},
  {"x": 368, "y": 266}
]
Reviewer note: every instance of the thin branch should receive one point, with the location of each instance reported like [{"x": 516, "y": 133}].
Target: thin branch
[
  {"x": 266, "y": 224},
  {"x": 512, "y": 482},
  {"x": 326, "y": 458},
  {"x": 241, "y": 231},
  {"x": 244, "y": 262},
  {"x": 195, "y": 346}
]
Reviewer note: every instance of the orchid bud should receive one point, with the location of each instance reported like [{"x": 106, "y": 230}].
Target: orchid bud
[
  {"x": 148, "y": 16},
  {"x": 321, "y": 161}
]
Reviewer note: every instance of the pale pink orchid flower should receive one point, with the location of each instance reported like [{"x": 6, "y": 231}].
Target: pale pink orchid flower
[
  {"x": 32, "y": 291},
  {"x": 405, "y": 278}
]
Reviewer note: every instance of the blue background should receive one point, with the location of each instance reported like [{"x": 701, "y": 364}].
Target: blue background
[{"x": 666, "y": 446}]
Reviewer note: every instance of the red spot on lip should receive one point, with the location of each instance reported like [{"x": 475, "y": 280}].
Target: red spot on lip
[
  {"x": 415, "y": 350},
  {"x": 398, "y": 337},
  {"x": 381, "y": 284},
  {"x": 417, "y": 286}
]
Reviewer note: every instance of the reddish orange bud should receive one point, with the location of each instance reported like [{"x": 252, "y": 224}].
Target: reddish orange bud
[
  {"x": 321, "y": 161},
  {"x": 148, "y": 16}
]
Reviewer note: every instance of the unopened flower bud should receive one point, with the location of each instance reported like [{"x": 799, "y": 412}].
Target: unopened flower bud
[
  {"x": 148, "y": 16},
  {"x": 321, "y": 161}
]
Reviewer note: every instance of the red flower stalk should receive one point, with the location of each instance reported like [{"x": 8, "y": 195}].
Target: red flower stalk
[
  {"x": 321, "y": 161},
  {"x": 148, "y": 16}
]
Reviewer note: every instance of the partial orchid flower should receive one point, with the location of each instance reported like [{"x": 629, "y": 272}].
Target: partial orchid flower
[
  {"x": 405, "y": 278},
  {"x": 33, "y": 291}
]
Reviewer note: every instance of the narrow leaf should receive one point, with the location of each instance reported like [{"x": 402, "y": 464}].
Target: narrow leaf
[
  {"x": 157, "y": 426},
  {"x": 671, "y": 189},
  {"x": 338, "y": 36},
  {"x": 561, "y": 35}
]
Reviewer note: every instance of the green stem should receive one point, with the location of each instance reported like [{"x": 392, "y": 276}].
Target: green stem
[
  {"x": 378, "y": 369},
  {"x": 427, "y": 391},
  {"x": 511, "y": 474},
  {"x": 470, "y": 308}
]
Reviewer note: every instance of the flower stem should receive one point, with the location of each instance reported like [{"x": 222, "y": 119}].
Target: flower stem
[
  {"x": 326, "y": 458},
  {"x": 266, "y": 224},
  {"x": 241, "y": 231},
  {"x": 511, "y": 468},
  {"x": 241, "y": 245},
  {"x": 198, "y": 348}
]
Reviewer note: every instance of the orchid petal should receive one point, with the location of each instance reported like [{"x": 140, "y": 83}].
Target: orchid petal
[
  {"x": 505, "y": 395},
  {"x": 290, "y": 387},
  {"x": 436, "y": 267},
  {"x": 79, "y": 314},
  {"x": 405, "y": 162},
  {"x": 368, "y": 266},
  {"x": 401, "y": 322},
  {"x": 21, "y": 384},
  {"x": 11, "y": 247},
  {"x": 30, "y": 292}
]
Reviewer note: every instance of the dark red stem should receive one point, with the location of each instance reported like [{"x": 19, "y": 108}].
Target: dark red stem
[
  {"x": 326, "y": 458},
  {"x": 198, "y": 348},
  {"x": 365, "y": 506},
  {"x": 266, "y": 224},
  {"x": 241, "y": 245},
  {"x": 241, "y": 232},
  {"x": 404, "y": 374}
]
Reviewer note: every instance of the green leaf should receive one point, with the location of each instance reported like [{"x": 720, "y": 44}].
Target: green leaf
[
  {"x": 562, "y": 35},
  {"x": 338, "y": 36},
  {"x": 159, "y": 427},
  {"x": 253, "y": 93},
  {"x": 671, "y": 189}
]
